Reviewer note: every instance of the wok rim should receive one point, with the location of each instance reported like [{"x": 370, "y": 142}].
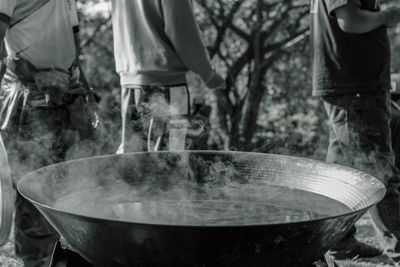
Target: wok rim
[{"x": 183, "y": 226}]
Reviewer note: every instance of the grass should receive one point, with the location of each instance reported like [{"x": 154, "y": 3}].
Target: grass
[
  {"x": 7, "y": 255},
  {"x": 365, "y": 233}
]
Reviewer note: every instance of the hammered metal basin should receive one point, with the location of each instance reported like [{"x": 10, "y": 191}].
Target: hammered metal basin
[{"x": 201, "y": 208}]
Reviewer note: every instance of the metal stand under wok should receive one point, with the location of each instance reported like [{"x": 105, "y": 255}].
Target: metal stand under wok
[{"x": 63, "y": 257}]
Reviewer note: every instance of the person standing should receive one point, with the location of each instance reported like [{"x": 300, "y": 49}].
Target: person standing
[
  {"x": 395, "y": 120},
  {"x": 351, "y": 75},
  {"x": 156, "y": 42},
  {"x": 43, "y": 107}
]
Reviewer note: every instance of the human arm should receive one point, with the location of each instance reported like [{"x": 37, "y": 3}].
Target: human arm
[
  {"x": 221, "y": 112},
  {"x": 183, "y": 32},
  {"x": 3, "y": 28},
  {"x": 77, "y": 47},
  {"x": 75, "y": 28},
  {"x": 352, "y": 19},
  {"x": 6, "y": 11},
  {"x": 82, "y": 77},
  {"x": 73, "y": 16}
]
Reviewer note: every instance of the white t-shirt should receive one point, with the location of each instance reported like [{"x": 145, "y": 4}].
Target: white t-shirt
[{"x": 46, "y": 37}]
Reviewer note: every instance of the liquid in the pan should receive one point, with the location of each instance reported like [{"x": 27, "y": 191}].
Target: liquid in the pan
[{"x": 275, "y": 205}]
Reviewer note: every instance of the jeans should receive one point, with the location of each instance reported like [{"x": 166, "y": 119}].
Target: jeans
[
  {"x": 360, "y": 137},
  {"x": 360, "y": 134},
  {"x": 395, "y": 126}
]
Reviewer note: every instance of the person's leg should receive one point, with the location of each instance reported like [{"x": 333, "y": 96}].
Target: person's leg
[
  {"x": 34, "y": 236},
  {"x": 395, "y": 127},
  {"x": 154, "y": 118},
  {"x": 133, "y": 131},
  {"x": 343, "y": 140},
  {"x": 378, "y": 142},
  {"x": 334, "y": 153},
  {"x": 153, "y": 105},
  {"x": 361, "y": 125},
  {"x": 39, "y": 143},
  {"x": 126, "y": 98},
  {"x": 343, "y": 148},
  {"x": 179, "y": 101}
]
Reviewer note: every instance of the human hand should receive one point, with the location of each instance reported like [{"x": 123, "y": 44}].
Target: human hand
[
  {"x": 392, "y": 16},
  {"x": 217, "y": 82}
]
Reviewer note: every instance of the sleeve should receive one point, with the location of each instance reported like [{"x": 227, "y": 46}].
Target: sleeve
[
  {"x": 74, "y": 16},
  {"x": 332, "y": 5},
  {"x": 7, "y": 9},
  {"x": 183, "y": 32}
]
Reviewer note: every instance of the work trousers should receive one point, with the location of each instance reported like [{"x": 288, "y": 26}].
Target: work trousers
[
  {"x": 36, "y": 136},
  {"x": 154, "y": 118},
  {"x": 360, "y": 134},
  {"x": 360, "y": 137}
]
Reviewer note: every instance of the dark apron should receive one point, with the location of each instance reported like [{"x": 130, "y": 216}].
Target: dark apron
[
  {"x": 39, "y": 133},
  {"x": 19, "y": 94}
]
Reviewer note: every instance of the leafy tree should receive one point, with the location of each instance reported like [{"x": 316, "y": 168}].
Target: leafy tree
[{"x": 248, "y": 38}]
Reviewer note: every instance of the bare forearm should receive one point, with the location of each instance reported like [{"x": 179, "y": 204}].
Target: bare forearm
[
  {"x": 363, "y": 22},
  {"x": 352, "y": 19},
  {"x": 77, "y": 47}
]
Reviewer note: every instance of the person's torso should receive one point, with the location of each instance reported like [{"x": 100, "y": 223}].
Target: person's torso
[
  {"x": 143, "y": 52},
  {"x": 345, "y": 62},
  {"x": 41, "y": 32}
]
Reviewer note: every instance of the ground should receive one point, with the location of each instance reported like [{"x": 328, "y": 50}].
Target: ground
[
  {"x": 365, "y": 233},
  {"x": 7, "y": 255}
]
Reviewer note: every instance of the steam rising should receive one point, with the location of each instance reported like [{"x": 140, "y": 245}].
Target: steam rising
[
  {"x": 177, "y": 188},
  {"x": 189, "y": 189}
]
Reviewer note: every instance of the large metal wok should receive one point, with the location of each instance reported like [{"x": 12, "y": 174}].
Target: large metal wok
[{"x": 201, "y": 208}]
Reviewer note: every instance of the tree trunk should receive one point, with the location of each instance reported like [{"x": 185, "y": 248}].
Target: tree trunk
[
  {"x": 248, "y": 123},
  {"x": 251, "y": 109}
]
